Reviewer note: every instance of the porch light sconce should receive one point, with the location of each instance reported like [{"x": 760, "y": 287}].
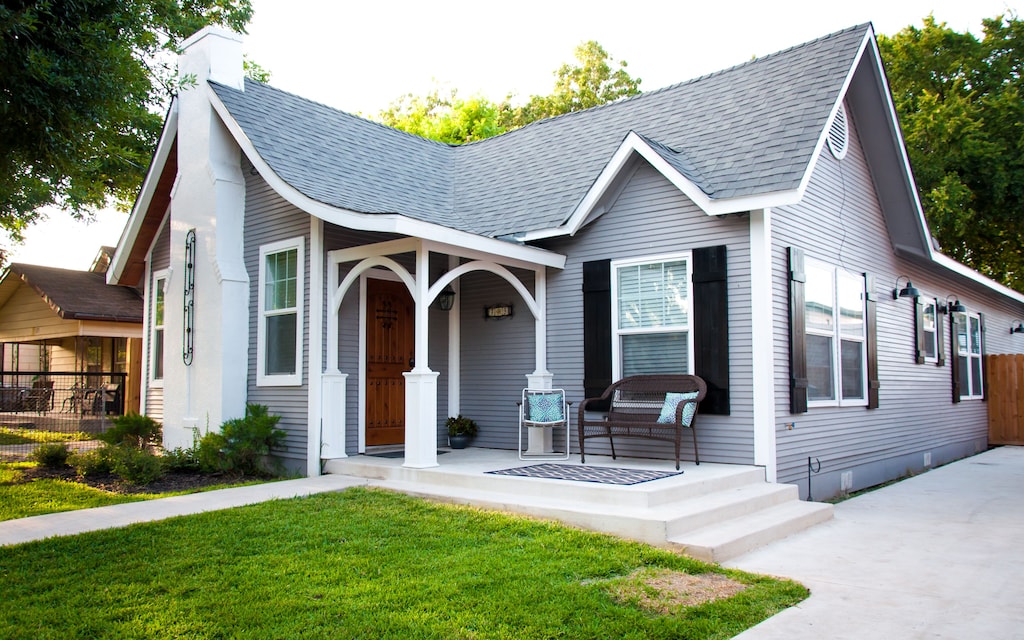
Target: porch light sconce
[
  {"x": 446, "y": 299},
  {"x": 954, "y": 307},
  {"x": 498, "y": 311},
  {"x": 1018, "y": 329},
  {"x": 908, "y": 291}
]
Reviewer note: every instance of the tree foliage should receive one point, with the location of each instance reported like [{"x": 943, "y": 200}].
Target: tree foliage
[
  {"x": 961, "y": 108},
  {"x": 595, "y": 79},
  {"x": 83, "y": 88}
]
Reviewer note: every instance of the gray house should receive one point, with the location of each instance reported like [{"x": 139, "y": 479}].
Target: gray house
[{"x": 758, "y": 227}]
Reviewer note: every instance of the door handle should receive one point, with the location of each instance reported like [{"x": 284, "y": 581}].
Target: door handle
[{"x": 412, "y": 363}]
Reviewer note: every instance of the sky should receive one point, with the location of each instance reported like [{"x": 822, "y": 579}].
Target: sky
[{"x": 361, "y": 56}]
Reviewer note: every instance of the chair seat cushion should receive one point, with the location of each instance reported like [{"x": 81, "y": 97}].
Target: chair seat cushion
[
  {"x": 672, "y": 400},
  {"x": 545, "y": 407}
]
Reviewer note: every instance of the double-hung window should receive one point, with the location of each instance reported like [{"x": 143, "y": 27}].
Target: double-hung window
[
  {"x": 652, "y": 316},
  {"x": 835, "y": 336},
  {"x": 930, "y": 330},
  {"x": 279, "y": 347},
  {"x": 967, "y": 332},
  {"x": 157, "y": 348}
]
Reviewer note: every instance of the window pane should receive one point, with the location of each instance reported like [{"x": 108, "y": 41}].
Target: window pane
[
  {"x": 852, "y": 355},
  {"x": 653, "y": 295},
  {"x": 158, "y": 306},
  {"x": 818, "y": 298},
  {"x": 820, "y": 384},
  {"x": 158, "y": 354},
  {"x": 961, "y": 333},
  {"x": 976, "y": 376},
  {"x": 280, "y": 347},
  {"x": 975, "y": 335},
  {"x": 654, "y": 353},
  {"x": 281, "y": 280},
  {"x": 965, "y": 381},
  {"x": 929, "y": 330},
  {"x": 851, "y": 305}
]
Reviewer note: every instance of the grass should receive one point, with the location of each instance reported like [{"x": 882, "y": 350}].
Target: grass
[
  {"x": 19, "y": 435},
  {"x": 356, "y": 564},
  {"x": 19, "y": 499}
]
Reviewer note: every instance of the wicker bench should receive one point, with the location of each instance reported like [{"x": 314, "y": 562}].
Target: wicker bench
[{"x": 635, "y": 405}]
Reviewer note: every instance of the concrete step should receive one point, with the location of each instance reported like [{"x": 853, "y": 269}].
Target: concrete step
[
  {"x": 701, "y": 481},
  {"x": 728, "y": 539}
]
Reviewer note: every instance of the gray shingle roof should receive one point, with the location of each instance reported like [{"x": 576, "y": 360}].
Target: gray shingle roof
[{"x": 747, "y": 130}]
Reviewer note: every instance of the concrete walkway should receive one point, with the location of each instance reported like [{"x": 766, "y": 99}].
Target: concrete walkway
[
  {"x": 940, "y": 555},
  {"x": 121, "y": 515}
]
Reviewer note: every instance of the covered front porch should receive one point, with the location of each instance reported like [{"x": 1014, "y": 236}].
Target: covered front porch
[
  {"x": 418, "y": 330},
  {"x": 711, "y": 511}
]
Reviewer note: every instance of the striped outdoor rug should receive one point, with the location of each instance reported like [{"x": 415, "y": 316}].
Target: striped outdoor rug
[{"x": 579, "y": 473}]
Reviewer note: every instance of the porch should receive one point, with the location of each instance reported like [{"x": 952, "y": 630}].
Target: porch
[{"x": 711, "y": 511}]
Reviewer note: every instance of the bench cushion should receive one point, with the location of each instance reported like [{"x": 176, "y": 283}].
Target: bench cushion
[{"x": 672, "y": 400}]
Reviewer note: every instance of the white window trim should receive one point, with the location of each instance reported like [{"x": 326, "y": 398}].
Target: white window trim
[
  {"x": 838, "y": 337},
  {"x": 979, "y": 393},
  {"x": 617, "y": 333},
  {"x": 280, "y": 380},
  {"x": 157, "y": 276},
  {"x": 934, "y": 338}
]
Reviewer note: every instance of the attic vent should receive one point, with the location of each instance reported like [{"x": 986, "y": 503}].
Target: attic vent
[{"x": 839, "y": 134}]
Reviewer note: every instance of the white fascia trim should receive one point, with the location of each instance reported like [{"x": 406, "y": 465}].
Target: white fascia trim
[
  {"x": 379, "y": 222},
  {"x": 134, "y": 224},
  {"x": 633, "y": 143},
  {"x": 967, "y": 272}
]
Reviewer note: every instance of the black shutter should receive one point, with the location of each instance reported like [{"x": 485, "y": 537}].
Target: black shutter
[
  {"x": 871, "y": 339},
  {"x": 919, "y": 349},
  {"x": 797, "y": 333},
  {"x": 597, "y": 329},
  {"x": 940, "y": 340},
  {"x": 711, "y": 327},
  {"x": 954, "y": 356}
]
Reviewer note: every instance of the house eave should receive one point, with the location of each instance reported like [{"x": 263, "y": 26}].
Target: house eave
[{"x": 378, "y": 222}]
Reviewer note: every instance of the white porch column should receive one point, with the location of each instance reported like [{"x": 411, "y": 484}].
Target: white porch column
[
  {"x": 333, "y": 410},
  {"x": 421, "y": 382},
  {"x": 762, "y": 341},
  {"x": 541, "y": 378},
  {"x": 455, "y": 346}
]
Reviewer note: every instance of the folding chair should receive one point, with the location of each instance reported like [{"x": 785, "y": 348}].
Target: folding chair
[{"x": 543, "y": 411}]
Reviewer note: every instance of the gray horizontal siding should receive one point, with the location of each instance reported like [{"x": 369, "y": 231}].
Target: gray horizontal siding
[
  {"x": 652, "y": 217},
  {"x": 840, "y": 222},
  {"x": 160, "y": 258},
  {"x": 269, "y": 218}
]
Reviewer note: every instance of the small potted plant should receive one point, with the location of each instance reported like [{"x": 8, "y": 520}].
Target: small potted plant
[{"x": 460, "y": 431}]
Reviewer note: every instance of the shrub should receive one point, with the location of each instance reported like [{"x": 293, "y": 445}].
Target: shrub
[
  {"x": 241, "y": 443},
  {"x": 136, "y": 466},
  {"x": 179, "y": 459},
  {"x": 52, "y": 454},
  {"x": 133, "y": 430},
  {"x": 96, "y": 462}
]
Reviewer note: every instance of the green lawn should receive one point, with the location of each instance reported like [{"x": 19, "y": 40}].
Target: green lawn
[
  {"x": 20, "y": 435},
  {"x": 357, "y": 564},
  {"x": 19, "y": 499}
]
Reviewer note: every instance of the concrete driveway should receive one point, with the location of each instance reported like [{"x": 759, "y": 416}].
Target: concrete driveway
[{"x": 940, "y": 555}]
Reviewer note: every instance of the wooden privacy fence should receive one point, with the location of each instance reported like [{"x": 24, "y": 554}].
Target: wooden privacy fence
[{"x": 1005, "y": 399}]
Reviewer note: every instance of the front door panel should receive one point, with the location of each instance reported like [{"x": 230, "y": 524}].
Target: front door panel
[{"x": 390, "y": 327}]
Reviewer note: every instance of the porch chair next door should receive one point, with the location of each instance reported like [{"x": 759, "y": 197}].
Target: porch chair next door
[{"x": 545, "y": 411}]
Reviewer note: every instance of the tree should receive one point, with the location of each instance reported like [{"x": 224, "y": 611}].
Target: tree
[
  {"x": 961, "y": 109},
  {"x": 449, "y": 118},
  {"x": 83, "y": 89}
]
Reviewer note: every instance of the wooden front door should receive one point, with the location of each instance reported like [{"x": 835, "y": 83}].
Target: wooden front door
[{"x": 390, "y": 325}]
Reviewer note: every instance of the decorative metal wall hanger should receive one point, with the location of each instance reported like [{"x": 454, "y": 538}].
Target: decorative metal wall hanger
[{"x": 188, "y": 336}]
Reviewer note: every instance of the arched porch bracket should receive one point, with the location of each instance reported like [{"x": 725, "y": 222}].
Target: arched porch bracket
[
  {"x": 365, "y": 265},
  {"x": 492, "y": 267}
]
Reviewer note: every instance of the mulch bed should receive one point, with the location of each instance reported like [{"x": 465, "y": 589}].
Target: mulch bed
[{"x": 173, "y": 481}]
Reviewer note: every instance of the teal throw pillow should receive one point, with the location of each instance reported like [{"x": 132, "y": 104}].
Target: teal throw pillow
[
  {"x": 545, "y": 407},
  {"x": 672, "y": 400}
]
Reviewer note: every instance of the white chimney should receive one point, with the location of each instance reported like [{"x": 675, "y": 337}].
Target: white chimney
[{"x": 213, "y": 53}]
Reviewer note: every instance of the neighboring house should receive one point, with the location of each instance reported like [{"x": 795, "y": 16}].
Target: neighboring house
[
  {"x": 71, "y": 344},
  {"x": 749, "y": 226}
]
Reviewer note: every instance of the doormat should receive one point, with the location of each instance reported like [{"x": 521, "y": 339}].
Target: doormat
[
  {"x": 394, "y": 454},
  {"x": 579, "y": 473}
]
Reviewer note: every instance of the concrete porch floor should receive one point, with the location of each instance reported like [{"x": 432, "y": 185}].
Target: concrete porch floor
[{"x": 710, "y": 511}]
